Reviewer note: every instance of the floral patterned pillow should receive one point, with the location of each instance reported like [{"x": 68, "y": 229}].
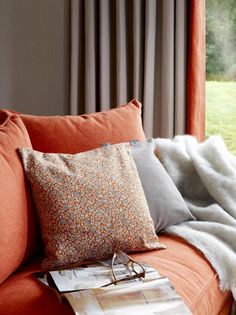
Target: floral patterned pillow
[{"x": 89, "y": 204}]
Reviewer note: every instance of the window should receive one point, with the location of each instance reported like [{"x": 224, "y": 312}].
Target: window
[{"x": 221, "y": 70}]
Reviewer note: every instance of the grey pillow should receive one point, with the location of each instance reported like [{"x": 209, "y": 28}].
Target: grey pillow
[{"x": 166, "y": 205}]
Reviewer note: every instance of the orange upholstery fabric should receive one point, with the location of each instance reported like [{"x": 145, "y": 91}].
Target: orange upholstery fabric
[
  {"x": 74, "y": 134},
  {"x": 191, "y": 275},
  {"x": 189, "y": 272},
  {"x": 21, "y": 294},
  {"x": 17, "y": 232}
]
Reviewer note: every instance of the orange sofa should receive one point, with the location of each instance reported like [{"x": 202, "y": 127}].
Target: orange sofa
[{"x": 21, "y": 248}]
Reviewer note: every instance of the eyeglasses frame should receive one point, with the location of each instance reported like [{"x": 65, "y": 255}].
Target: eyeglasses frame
[{"x": 129, "y": 263}]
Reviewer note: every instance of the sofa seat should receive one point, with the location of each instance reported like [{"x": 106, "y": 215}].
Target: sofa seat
[
  {"x": 190, "y": 273},
  {"x": 22, "y": 294}
]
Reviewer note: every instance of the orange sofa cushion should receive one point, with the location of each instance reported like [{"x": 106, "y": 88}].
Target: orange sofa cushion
[
  {"x": 188, "y": 270},
  {"x": 17, "y": 233},
  {"x": 74, "y": 134},
  {"x": 191, "y": 275}
]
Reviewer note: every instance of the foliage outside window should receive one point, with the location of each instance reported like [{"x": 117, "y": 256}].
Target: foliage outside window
[{"x": 221, "y": 70}]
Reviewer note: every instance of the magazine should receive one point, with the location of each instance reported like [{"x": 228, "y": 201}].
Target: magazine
[
  {"x": 93, "y": 276},
  {"x": 89, "y": 291}
]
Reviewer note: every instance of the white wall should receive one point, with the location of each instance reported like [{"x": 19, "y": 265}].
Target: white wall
[{"x": 34, "y": 56}]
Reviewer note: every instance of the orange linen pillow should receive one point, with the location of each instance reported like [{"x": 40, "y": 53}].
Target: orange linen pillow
[
  {"x": 74, "y": 134},
  {"x": 17, "y": 234}
]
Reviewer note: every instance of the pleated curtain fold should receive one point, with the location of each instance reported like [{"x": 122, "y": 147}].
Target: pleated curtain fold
[
  {"x": 125, "y": 49},
  {"x": 196, "y": 70}
]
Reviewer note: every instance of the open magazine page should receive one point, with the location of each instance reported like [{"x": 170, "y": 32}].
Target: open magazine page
[
  {"x": 94, "y": 276},
  {"x": 155, "y": 297}
]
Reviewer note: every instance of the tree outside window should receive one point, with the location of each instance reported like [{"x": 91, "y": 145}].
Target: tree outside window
[{"x": 221, "y": 70}]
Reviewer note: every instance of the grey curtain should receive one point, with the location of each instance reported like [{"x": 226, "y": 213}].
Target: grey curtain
[{"x": 125, "y": 49}]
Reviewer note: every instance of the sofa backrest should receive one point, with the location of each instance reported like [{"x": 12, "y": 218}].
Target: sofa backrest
[
  {"x": 74, "y": 134},
  {"x": 19, "y": 234},
  {"x": 19, "y": 238}
]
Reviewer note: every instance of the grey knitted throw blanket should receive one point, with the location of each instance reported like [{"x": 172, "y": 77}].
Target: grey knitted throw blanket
[{"x": 205, "y": 175}]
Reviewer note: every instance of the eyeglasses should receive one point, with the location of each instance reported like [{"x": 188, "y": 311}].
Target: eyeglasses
[{"x": 134, "y": 268}]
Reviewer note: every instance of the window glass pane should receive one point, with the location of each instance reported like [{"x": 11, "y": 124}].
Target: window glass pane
[{"x": 221, "y": 70}]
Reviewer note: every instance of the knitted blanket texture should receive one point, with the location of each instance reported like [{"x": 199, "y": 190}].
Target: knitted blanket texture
[{"x": 205, "y": 174}]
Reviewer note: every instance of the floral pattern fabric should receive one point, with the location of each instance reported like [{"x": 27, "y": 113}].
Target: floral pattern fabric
[{"x": 89, "y": 204}]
